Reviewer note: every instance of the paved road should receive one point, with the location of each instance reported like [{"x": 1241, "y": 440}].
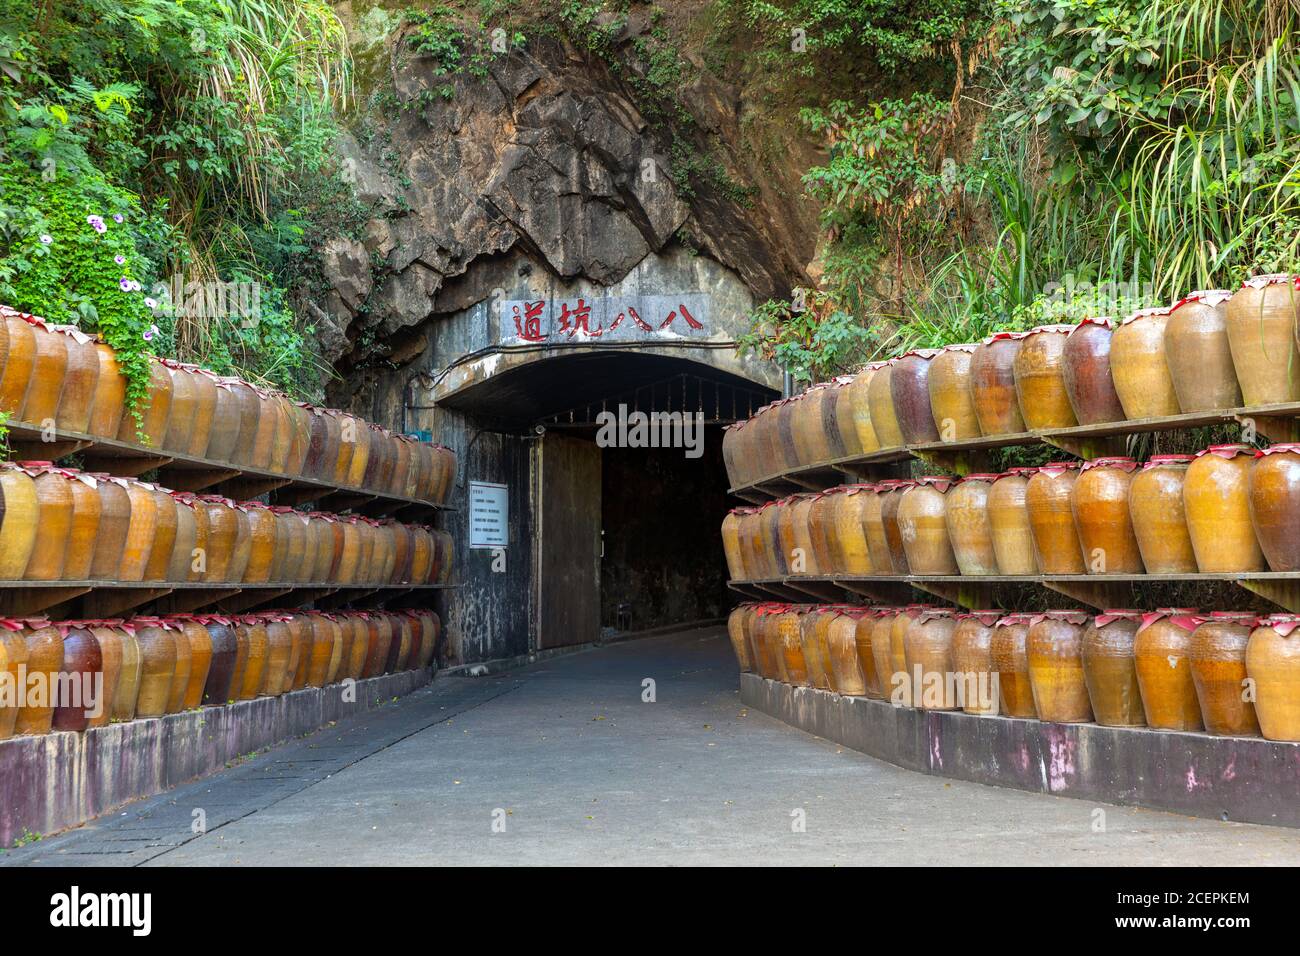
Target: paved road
[{"x": 580, "y": 770}]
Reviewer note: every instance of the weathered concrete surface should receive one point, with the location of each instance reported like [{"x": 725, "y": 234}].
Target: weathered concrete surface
[
  {"x": 62, "y": 779},
  {"x": 584, "y": 771},
  {"x": 1232, "y": 778}
]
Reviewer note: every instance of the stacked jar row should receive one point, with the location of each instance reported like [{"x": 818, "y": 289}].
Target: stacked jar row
[
  {"x": 1211, "y": 351},
  {"x": 63, "y": 524},
  {"x": 58, "y": 376},
  {"x": 1228, "y": 509},
  {"x": 1227, "y": 673},
  {"x": 76, "y": 675}
]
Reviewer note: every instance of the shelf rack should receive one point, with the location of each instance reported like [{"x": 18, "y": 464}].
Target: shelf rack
[
  {"x": 1275, "y": 422},
  {"x": 100, "y": 599},
  {"x": 1100, "y": 591},
  {"x": 187, "y": 473}
]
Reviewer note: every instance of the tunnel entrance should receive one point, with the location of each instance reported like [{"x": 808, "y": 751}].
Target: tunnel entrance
[{"x": 625, "y": 523}]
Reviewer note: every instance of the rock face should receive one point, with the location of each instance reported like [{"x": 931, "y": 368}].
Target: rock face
[{"x": 543, "y": 154}]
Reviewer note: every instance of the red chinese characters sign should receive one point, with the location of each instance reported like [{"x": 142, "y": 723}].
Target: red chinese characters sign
[{"x": 581, "y": 319}]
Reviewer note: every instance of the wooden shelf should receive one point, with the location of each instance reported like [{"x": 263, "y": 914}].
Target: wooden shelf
[
  {"x": 186, "y": 473},
  {"x": 98, "y": 599},
  {"x": 1100, "y": 591},
  {"x": 1275, "y": 422}
]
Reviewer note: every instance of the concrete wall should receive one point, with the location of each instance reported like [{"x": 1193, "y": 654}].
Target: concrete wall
[
  {"x": 1232, "y": 778},
  {"x": 60, "y": 780}
]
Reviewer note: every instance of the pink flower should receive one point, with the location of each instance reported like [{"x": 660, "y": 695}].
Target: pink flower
[
  {"x": 117, "y": 217},
  {"x": 97, "y": 223},
  {"x": 120, "y": 260},
  {"x": 150, "y": 303},
  {"x": 152, "y": 331},
  {"x": 124, "y": 284}
]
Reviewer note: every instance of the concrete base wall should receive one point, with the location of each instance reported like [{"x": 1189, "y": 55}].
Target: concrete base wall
[
  {"x": 1233, "y": 778},
  {"x": 60, "y": 780}
]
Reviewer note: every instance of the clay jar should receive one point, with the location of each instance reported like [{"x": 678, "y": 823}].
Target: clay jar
[
  {"x": 114, "y": 523},
  {"x": 730, "y": 546},
  {"x": 48, "y": 371},
  {"x": 1261, "y": 334},
  {"x": 154, "y": 417},
  {"x": 844, "y": 414},
  {"x": 874, "y": 526},
  {"x": 79, "y": 380},
  {"x": 1087, "y": 373},
  {"x": 128, "y": 683},
  {"x": 1040, "y": 378},
  {"x": 1049, "y": 502},
  {"x": 810, "y": 440},
  {"x": 1155, "y": 504},
  {"x": 164, "y": 536},
  {"x": 109, "y": 403},
  {"x": 1101, "y": 513},
  {"x": 993, "y": 385},
  {"x": 262, "y": 537},
  {"x": 927, "y": 648},
  {"x": 923, "y": 527},
  {"x": 1137, "y": 364},
  {"x": 1273, "y": 663},
  {"x": 44, "y": 657},
  {"x": 19, "y": 359},
  {"x": 140, "y": 531},
  {"x": 158, "y": 661},
  {"x": 736, "y": 634},
  {"x": 84, "y": 530},
  {"x": 969, "y": 529},
  {"x": 13, "y": 668},
  {"x": 1164, "y": 672},
  {"x": 226, "y": 421},
  {"x": 255, "y": 665},
  {"x": 1273, "y": 480},
  {"x": 200, "y": 647},
  {"x": 892, "y": 492},
  {"x": 812, "y": 626},
  {"x": 884, "y": 417},
  {"x": 1054, "y": 649},
  {"x": 951, "y": 401},
  {"x": 111, "y": 649},
  {"x": 223, "y": 527},
  {"x": 54, "y": 506},
  {"x": 881, "y": 662},
  {"x": 972, "y": 662},
  {"x": 900, "y": 687},
  {"x": 909, "y": 384},
  {"x": 82, "y": 661},
  {"x": 1199, "y": 354},
  {"x": 1216, "y": 501},
  {"x": 1217, "y": 653},
  {"x": 864, "y": 626},
  {"x": 18, "y": 521},
  {"x": 1008, "y": 655},
  {"x": 221, "y": 671},
  {"x": 849, "y": 516},
  {"x": 1110, "y": 670},
  {"x": 250, "y": 413},
  {"x": 1013, "y": 540}
]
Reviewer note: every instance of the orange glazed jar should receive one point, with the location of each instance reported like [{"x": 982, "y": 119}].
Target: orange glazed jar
[
  {"x": 1013, "y": 539},
  {"x": 951, "y": 400},
  {"x": 195, "y": 439},
  {"x": 185, "y": 400},
  {"x": 927, "y": 650},
  {"x": 84, "y": 531},
  {"x": 114, "y": 524},
  {"x": 812, "y": 627},
  {"x": 1261, "y": 335},
  {"x": 923, "y": 525},
  {"x": 1101, "y": 513},
  {"x": 159, "y": 661},
  {"x": 850, "y": 518},
  {"x": 285, "y": 433},
  {"x": 1049, "y": 497},
  {"x": 196, "y": 635},
  {"x": 250, "y": 414},
  {"x": 54, "y": 509},
  {"x": 972, "y": 661},
  {"x": 1164, "y": 671},
  {"x": 1199, "y": 354},
  {"x": 242, "y": 552},
  {"x": 891, "y": 498},
  {"x": 1216, "y": 501},
  {"x": 1054, "y": 649},
  {"x": 810, "y": 440},
  {"x": 128, "y": 684},
  {"x": 79, "y": 381},
  {"x": 1155, "y": 503},
  {"x": 993, "y": 384},
  {"x": 1110, "y": 669},
  {"x": 19, "y": 360},
  {"x": 262, "y": 541},
  {"x": 880, "y": 399},
  {"x": 1137, "y": 363},
  {"x": 268, "y": 420},
  {"x": 109, "y": 404},
  {"x": 969, "y": 528},
  {"x": 48, "y": 372},
  {"x": 902, "y": 686},
  {"x": 258, "y": 651},
  {"x": 1040, "y": 378},
  {"x": 1273, "y": 663},
  {"x": 1273, "y": 480},
  {"x": 226, "y": 421},
  {"x": 1010, "y": 661},
  {"x": 44, "y": 657},
  {"x": 223, "y": 526},
  {"x": 166, "y": 522},
  {"x": 155, "y": 415},
  {"x": 18, "y": 521},
  {"x": 13, "y": 664},
  {"x": 882, "y": 628},
  {"x": 736, "y": 634},
  {"x": 1218, "y": 657},
  {"x": 864, "y": 626}
]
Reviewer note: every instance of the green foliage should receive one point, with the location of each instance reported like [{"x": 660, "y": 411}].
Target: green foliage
[{"x": 813, "y": 342}]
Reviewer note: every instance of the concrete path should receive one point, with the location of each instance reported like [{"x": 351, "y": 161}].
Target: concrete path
[{"x": 569, "y": 760}]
